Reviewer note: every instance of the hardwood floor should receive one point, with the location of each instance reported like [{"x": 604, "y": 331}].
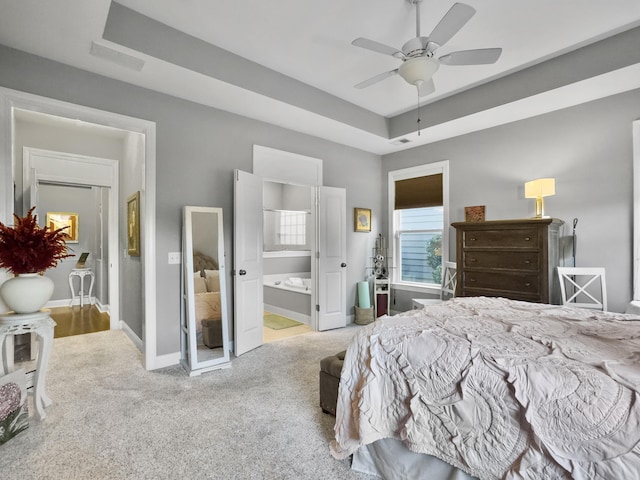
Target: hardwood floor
[
  {"x": 78, "y": 320},
  {"x": 69, "y": 321}
]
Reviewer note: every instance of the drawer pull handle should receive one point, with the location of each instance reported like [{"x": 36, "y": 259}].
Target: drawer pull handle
[
  {"x": 472, "y": 239},
  {"x": 527, "y": 261},
  {"x": 473, "y": 260},
  {"x": 527, "y": 239},
  {"x": 472, "y": 280},
  {"x": 527, "y": 284}
]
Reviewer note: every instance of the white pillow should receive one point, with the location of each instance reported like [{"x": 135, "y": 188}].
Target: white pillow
[
  {"x": 199, "y": 284},
  {"x": 213, "y": 280}
]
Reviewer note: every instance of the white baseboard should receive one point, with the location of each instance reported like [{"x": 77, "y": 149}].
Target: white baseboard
[
  {"x": 66, "y": 302},
  {"x": 132, "y": 336},
  {"x": 299, "y": 317},
  {"x": 102, "y": 308}
]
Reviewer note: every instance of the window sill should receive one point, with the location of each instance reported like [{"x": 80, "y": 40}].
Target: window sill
[{"x": 412, "y": 287}]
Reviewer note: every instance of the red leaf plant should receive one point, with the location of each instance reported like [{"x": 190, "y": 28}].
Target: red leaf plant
[{"x": 28, "y": 248}]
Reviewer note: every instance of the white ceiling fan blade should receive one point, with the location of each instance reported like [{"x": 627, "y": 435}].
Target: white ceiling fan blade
[
  {"x": 481, "y": 56},
  {"x": 426, "y": 88},
  {"x": 377, "y": 47},
  {"x": 376, "y": 79},
  {"x": 457, "y": 16}
]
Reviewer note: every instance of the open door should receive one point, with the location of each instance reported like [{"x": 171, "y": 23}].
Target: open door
[
  {"x": 247, "y": 262},
  {"x": 332, "y": 258}
]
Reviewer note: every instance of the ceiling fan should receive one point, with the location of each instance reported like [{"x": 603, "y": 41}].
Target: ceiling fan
[{"x": 417, "y": 55}]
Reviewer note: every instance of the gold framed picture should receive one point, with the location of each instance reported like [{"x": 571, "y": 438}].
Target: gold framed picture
[
  {"x": 362, "y": 219},
  {"x": 56, "y": 220},
  {"x": 474, "y": 214},
  {"x": 133, "y": 225}
]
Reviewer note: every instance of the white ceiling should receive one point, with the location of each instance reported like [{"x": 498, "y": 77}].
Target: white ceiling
[{"x": 310, "y": 41}]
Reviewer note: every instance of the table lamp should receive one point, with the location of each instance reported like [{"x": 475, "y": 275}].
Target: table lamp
[{"x": 538, "y": 189}]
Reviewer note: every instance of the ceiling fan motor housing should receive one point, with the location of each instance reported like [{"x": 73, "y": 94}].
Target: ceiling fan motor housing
[{"x": 417, "y": 47}]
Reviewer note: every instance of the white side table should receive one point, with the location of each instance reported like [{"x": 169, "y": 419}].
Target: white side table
[
  {"x": 81, "y": 273},
  {"x": 42, "y": 325}
]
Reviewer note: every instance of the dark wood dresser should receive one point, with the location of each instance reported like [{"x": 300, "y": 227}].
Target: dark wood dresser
[{"x": 514, "y": 259}]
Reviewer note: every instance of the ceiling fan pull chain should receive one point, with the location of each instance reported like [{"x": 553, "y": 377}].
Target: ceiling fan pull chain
[{"x": 418, "y": 88}]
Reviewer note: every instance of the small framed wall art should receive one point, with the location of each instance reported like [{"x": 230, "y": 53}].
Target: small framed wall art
[
  {"x": 56, "y": 220},
  {"x": 362, "y": 219},
  {"x": 133, "y": 225},
  {"x": 474, "y": 214}
]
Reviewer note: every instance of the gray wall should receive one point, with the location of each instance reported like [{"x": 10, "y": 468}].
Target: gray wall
[
  {"x": 57, "y": 198},
  {"x": 587, "y": 148},
  {"x": 276, "y": 265},
  {"x": 197, "y": 149}
]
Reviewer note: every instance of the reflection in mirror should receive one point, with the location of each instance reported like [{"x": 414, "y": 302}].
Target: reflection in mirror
[{"x": 205, "y": 340}]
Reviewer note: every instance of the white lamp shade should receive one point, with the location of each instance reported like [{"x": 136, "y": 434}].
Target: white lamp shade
[
  {"x": 418, "y": 70},
  {"x": 542, "y": 187}
]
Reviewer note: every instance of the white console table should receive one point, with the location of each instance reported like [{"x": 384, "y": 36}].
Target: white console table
[
  {"x": 42, "y": 325},
  {"x": 81, "y": 273}
]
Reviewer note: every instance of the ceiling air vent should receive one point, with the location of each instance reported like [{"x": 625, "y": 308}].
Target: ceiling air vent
[
  {"x": 112, "y": 55},
  {"x": 401, "y": 141}
]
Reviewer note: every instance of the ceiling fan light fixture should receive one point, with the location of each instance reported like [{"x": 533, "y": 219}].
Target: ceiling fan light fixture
[{"x": 418, "y": 70}]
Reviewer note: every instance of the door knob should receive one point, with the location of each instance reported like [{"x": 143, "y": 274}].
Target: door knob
[
  {"x": 343, "y": 264},
  {"x": 242, "y": 272}
]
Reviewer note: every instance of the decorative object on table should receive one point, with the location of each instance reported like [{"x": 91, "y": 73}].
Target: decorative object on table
[
  {"x": 64, "y": 220},
  {"x": 538, "y": 189},
  {"x": 14, "y": 417},
  {"x": 379, "y": 258},
  {"x": 133, "y": 225},
  {"x": 27, "y": 250},
  {"x": 474, "y": 214},
  {"x": 362, "y": 219},
  {"x": 82, "y": 260}
]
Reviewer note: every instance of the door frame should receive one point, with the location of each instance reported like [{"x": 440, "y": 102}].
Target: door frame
[
  {"x": 105, "y": 174},
  {"x": 11, "y": 99}
]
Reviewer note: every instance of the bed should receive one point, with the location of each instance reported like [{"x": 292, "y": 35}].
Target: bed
[
  {"x": 206, "y": 284},
  {"x": 497, "y": 389}
]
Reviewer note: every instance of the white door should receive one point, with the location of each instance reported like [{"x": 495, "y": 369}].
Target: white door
[
  {"x": 247, "y": 262},
  {"x": 332, "y": 258}
]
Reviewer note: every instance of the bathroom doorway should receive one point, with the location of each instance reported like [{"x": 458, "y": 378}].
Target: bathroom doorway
[{"x": 288, "y": 240}]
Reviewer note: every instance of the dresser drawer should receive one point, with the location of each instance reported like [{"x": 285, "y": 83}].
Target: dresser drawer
[
  {"x": 527, "y": 283},
  {"x": 513, "y": 238},
  {"x": 527, "y": 261}
]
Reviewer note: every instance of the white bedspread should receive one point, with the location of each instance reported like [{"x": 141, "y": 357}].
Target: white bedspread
[{"x": 499, "y": 389}]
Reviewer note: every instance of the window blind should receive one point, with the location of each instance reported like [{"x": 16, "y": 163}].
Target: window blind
[{"x": 419, "y": 192}]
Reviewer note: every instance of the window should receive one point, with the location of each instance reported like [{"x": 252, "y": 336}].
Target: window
[
  {"x": 293, "y": 227},
  {"x": 418, "y": 206},
  {"x": 419, "y": 235}
]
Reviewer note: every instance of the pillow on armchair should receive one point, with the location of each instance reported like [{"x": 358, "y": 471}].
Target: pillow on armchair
[{"x": 213, "y": 280}]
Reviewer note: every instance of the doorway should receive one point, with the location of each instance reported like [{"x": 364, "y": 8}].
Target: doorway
[
  {"x": 13, "y": 100},
  {"x": 288, "y": 273},
  {"x": 328, "y": 261}
]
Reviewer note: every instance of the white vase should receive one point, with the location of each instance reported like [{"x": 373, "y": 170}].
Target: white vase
[{"x": 26, "y": 292}]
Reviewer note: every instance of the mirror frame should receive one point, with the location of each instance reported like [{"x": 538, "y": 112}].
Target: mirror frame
[{"x": 188, "y": 311}]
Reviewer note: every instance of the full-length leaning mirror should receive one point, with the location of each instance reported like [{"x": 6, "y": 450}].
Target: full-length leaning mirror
[{"x": 205, "y": 339}]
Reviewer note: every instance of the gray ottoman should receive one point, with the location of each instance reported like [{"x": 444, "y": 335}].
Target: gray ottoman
[
  {"x": 330, "y": 370},
  {"x": 212, "y": 332}
]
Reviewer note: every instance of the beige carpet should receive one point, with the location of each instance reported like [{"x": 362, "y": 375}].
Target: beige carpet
[{"x": 111, "y": 419}]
